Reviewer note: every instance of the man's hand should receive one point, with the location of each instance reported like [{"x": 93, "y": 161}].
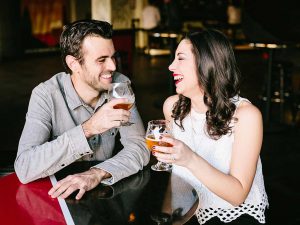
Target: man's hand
[
  {"x": 82, "y": 181},
  {"x": 106, "y": 118}
]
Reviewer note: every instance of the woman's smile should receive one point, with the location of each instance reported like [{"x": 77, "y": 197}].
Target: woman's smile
[{"x": 177, "y": 78}]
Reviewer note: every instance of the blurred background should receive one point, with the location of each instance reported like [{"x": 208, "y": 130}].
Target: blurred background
[{"x": 265, "y": 36}]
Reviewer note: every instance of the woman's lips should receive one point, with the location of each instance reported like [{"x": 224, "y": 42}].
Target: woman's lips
[{"x": 177, "y": 78}]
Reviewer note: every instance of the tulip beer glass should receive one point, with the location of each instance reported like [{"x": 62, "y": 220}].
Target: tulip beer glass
[
  {"x": 155, "y": 130},
  {"x": 122, "y": 90}
]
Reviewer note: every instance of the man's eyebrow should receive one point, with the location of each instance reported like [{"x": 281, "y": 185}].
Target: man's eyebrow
[
  {"x": 107, "y": 56},
  {"x": 103, "y": 57}
]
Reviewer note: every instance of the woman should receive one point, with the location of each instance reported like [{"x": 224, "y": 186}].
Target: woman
[{"x": 217, "y": 135}]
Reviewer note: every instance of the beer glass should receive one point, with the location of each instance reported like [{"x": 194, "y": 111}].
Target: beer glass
[
  {"x": 155, "y": 130},
  {"x": 122, "y": 90}
]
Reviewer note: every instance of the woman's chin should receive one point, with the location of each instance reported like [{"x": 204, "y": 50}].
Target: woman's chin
[{"x": 179, "y": 90}]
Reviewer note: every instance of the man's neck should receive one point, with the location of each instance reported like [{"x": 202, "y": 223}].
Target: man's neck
[{"x": 89, "y": 95}]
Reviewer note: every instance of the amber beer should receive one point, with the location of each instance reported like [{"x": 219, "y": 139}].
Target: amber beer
[
  {"x": 125, "y": 106},
  {"x": 150, "y": 142}
]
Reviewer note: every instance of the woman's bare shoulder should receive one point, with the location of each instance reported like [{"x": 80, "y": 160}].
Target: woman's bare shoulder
[
  {"x": 248, "y": 112},
  {"x": 171, "y": 100},
  {"x": 169, "y": 104}
]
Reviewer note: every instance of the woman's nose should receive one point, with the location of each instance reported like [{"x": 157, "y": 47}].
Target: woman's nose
[{"x": 172, "y": 66}]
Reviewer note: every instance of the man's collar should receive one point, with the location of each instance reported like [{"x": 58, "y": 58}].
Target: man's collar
[{"x": 73, "y": 98}]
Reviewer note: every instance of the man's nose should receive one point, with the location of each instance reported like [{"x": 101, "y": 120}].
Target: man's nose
[{"x": 111, "y": 64}]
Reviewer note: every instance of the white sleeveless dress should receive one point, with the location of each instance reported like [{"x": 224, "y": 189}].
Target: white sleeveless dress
[{"x": 218, "y": 154}]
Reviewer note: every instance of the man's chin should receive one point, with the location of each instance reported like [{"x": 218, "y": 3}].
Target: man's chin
[{"x": 105, "y": 84}]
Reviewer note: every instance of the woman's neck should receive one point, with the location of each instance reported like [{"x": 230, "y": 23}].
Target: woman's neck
[{"x": 197, "y": 104}]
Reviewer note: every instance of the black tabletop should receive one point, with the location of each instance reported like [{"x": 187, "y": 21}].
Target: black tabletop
[{"x": 148, "y": 197}]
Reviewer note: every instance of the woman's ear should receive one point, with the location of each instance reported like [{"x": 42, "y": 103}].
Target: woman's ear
[{"x": 72, "y": 63}]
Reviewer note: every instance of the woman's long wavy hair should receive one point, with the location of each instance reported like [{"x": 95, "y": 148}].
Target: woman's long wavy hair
[{"x": 218, "y": 76}]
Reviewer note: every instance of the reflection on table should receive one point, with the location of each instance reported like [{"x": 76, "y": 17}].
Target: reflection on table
[
  {"x": 147, "y": 197},
  {"x": 28, "y": 204}
]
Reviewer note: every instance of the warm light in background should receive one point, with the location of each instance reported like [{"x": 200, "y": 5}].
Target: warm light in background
[
  {"x": 46, "y": 19},
  {"x": 131, "y": 217}
]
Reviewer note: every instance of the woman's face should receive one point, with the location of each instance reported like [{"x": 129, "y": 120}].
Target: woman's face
[{"x": 185, "y": 70}]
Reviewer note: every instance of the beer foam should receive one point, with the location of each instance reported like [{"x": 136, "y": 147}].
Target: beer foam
[{"x": 156, "y": 133}]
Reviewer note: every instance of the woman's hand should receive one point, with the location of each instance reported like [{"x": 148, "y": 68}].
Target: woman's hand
[{"x": 179, "y": 153}]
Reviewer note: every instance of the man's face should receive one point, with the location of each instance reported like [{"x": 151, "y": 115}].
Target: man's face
[{"x": 99, "y": 63}]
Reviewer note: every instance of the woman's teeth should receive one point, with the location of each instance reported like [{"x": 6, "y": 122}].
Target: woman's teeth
[{"x": 178, "y": 78}]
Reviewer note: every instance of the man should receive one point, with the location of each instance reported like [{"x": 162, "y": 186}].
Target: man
[{"x": 69, "y": 117}]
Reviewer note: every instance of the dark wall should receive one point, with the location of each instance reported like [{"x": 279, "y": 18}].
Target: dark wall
[
  {"x": 83, "y": 9},
  {"x": 272, "y": 20},
  {"x": 203, "y": 9},
  {"x": 10, "y": 39}
]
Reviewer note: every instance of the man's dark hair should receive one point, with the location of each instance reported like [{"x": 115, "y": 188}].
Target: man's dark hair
[{"x": 73, "y": 35}]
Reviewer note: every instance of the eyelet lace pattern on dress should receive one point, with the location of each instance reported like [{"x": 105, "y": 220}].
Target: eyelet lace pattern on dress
[{"x": 228, "y": 215}]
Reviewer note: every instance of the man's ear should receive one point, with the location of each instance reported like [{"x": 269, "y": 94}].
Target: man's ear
[{"x": 72, "y": 63}]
